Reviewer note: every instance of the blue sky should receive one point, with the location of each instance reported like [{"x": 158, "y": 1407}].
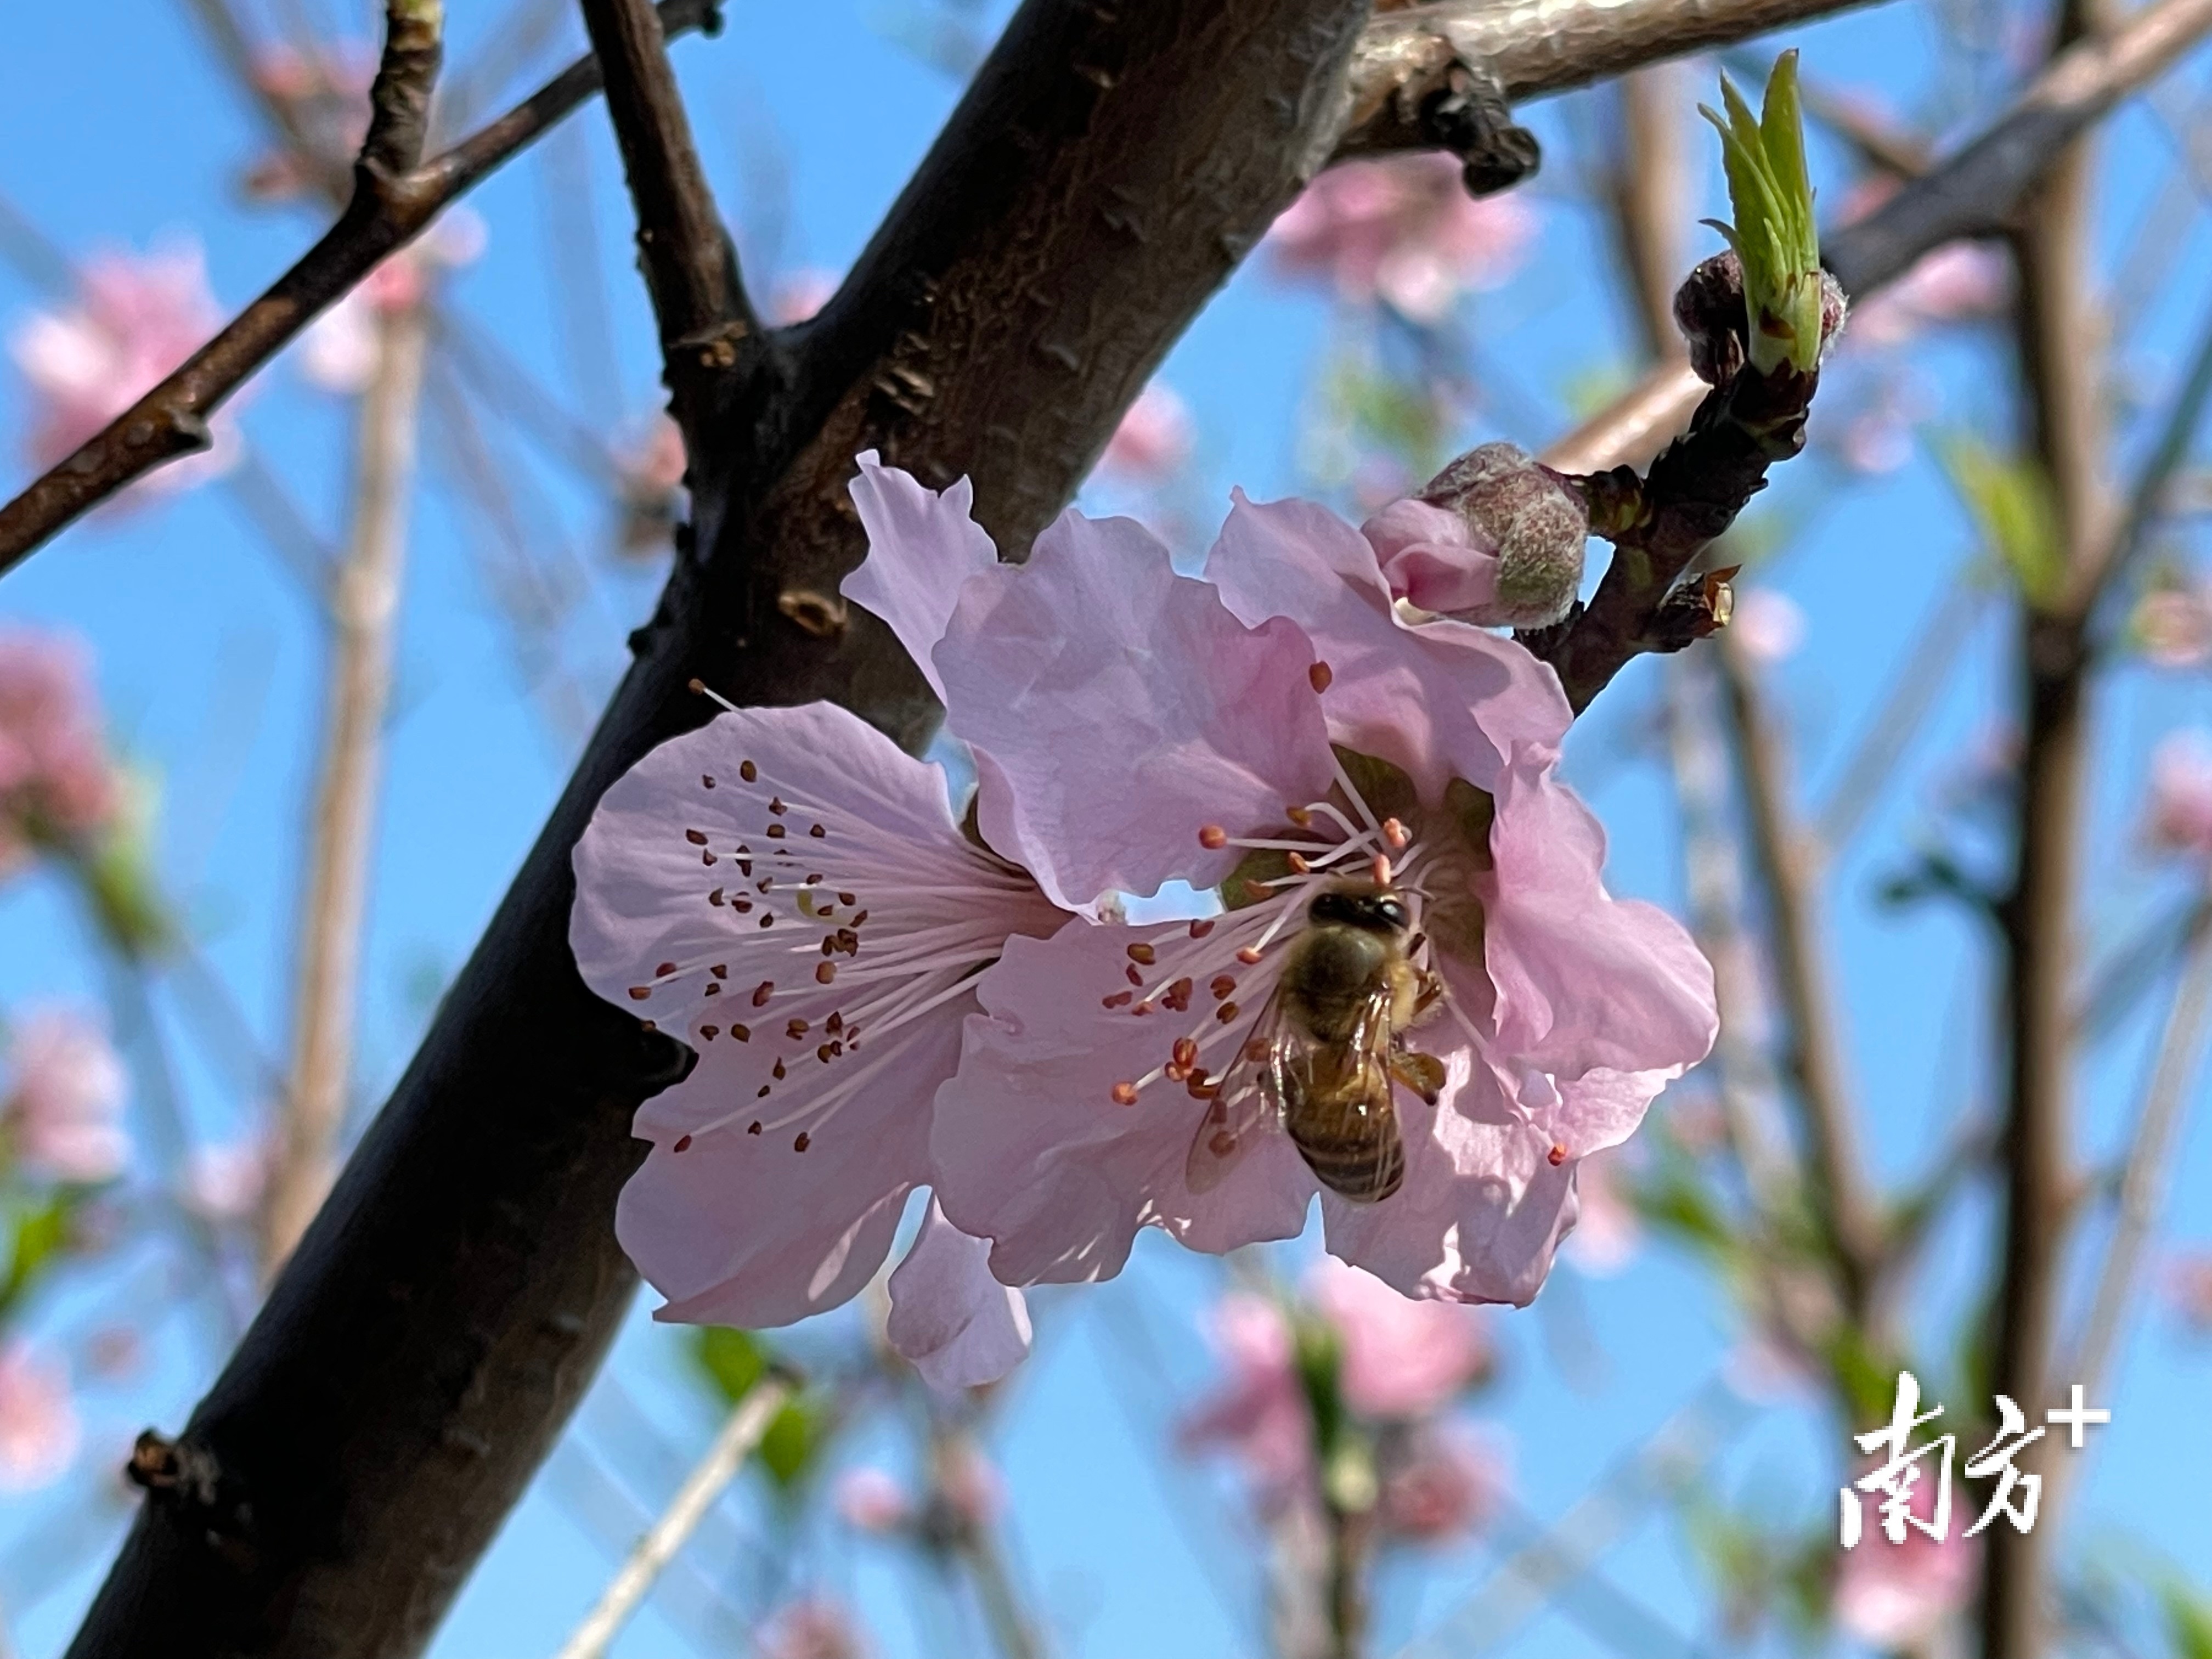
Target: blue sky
[{"x": 121, "y": 134}]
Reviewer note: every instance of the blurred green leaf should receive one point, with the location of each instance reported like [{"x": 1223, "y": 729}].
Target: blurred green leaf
[
  {"x": 796, "y": 1434},
  {"x": 1773, "y": 235},
  {"x": 2188, "y": 1621},
  {"x": 2010, "y": 502},
  {"x": 733, "y": 1362},
  {"x": 39, "y": 1234}
]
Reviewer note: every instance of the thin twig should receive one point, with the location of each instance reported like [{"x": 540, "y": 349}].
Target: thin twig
[
  {"x": 2142, "y": 1181},
  {"x": 1649, "y": 198},
  {"x": 740, "y": 1433},
  {"x": 1929, "y": 663},
  {"x": 1783, "y": 855},
  {"x": 385, "y": 212},
  {"x": 690, "y": 267},
  {"x": 2146, "y": 499},
  {"x": 364, "y": 617}
]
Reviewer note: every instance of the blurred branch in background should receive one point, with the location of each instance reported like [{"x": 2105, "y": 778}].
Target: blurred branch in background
[{"x": 364, "y": 613}]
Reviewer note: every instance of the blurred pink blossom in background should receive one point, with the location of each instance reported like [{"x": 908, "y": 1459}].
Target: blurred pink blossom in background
[
  {"x": 39, "y": 1430},
  {"x": 64, "y": 1107},
  {"x": 134, "y": 320},
  {"x": 2179, "y": 817},
  {"x": 1960, "y": 281},
  {"x": 797, "y": 296},
  {"x": 1768, "y": 625},
  {"x": 2188, "y": 1290},
  {"x": 1447, "y": 1480},
  {"x": 56, "y": 782},
  {"x": 811, "y": 1629},
  {"x": 338, "y": 350},
  {"x": 2172, "y": 624},
  {"x": 870, "y": 1499},
  {"x": 1153, "y": 438},
  {"x": 1258, "y": 1415},
  {"x": 1401, "y": 1359},
  {"x": 1404, "y": 231},
  {"x": 1895, "y": 1596},
  {"x": 225, "y": 1182}
]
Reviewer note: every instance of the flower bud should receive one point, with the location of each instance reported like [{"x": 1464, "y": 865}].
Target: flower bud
[
  {"x": 1537, "y": 523},
  {"x": 1708, "y": 309}
]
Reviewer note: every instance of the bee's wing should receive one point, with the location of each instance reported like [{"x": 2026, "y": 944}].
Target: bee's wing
[{"x": 1250, "y": 1099}]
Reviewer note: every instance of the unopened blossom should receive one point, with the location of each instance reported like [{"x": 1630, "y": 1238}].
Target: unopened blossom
[
  {"x": 1768, "y": 625},
  {"x": 135, "y": 318},
  {"x": 1399, "y": 1358},
  {"x": 1896, "y": 1596},
  {"x": 968, "y": 1484},
  {"x": 58, "y": 786},
  {"x": 1260, "y": 1412},
  {"x": 38, "y": 1430},
  {"x": 1133, "y": 726},
  {"x": 1153, "y": 438},
  {"x": 1496, "y": 538},
  {"x": 870, "y": 1499},
  {"x": 63, "y": 1104},
  {"x": 790, "y": 894},
  {"x": 2179, "y": 818},
  {"x": 1440, "y": 1482},
  {"x": 811, "y": 1629},
  {"x": 1404, "y": 231}
]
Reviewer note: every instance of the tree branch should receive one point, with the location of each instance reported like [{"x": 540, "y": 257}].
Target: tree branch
[
  {"x": 1533, "y": 48},
  {"x": 1975, "y": 193},
  {"x": 690, "y": 268},
  {"x": 386, "y": 211}
]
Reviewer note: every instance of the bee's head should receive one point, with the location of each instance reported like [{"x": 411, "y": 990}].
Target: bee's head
[{"x": 1376, "y": 912}]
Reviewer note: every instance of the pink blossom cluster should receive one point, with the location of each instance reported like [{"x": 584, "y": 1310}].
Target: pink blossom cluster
[
  {"x": 134, "y": 320},
  {"x": 883, "y": 996},
  {"x": 1896, "y": 1598},
  {"x": 58, "y": 788},
  {"x": 1402, "y": 231},
  {"x": 2172, "y": 623},
  {"x": 1394, "y": 1365}
]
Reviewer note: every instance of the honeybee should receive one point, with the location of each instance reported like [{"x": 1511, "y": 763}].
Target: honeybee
[{"x": 1327, "y": 1048}]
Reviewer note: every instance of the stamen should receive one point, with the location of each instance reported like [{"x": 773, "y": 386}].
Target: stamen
[
  {"x": 802, "y": 1143},
  {"x": 1125, "y": 1094},
  {"x": 1200, "y": 929},
  {"x": 1320, "y": 676},
  {"x": 1212, "y": 837},
  {"x": 1222, "y": 986},
  {"x": 825, "y": 973},
  {"x": 1557, "y": 1156},
  {"x": 1143, "y": 954},
  {"x": 763, "y": 992},
  {"x": 696, "y": 838},
  {"x": 1396, "y": 835},
  {"x": 1247, "y": 956},
  {"x": 683, "y": 1143},
  {"x": 1226, "y": 1012}
]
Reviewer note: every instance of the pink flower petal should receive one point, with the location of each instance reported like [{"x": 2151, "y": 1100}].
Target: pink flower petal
[
  {"x": 830, "y": 1027},
  {"x": 1440, "y": 699},
  {"x": 1483, "y": 1207},
  {"x": 922, "y": 546},
  {"x": 64, "y": 1104},
  {"x": 39, "y": 1428},
  {"x": 1127, "y": 709},
  {"x": 1433, "y": 558},
  {"x": 1035, "y": 1153},
  {"x": 959, "y": 1327},
  {"x": 1583, "y": 980}
]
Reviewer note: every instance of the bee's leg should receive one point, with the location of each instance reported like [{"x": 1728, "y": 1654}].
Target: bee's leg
[
  {"x": 1428, "y": 996},
  {"x": 1423, "y": 1074}
]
